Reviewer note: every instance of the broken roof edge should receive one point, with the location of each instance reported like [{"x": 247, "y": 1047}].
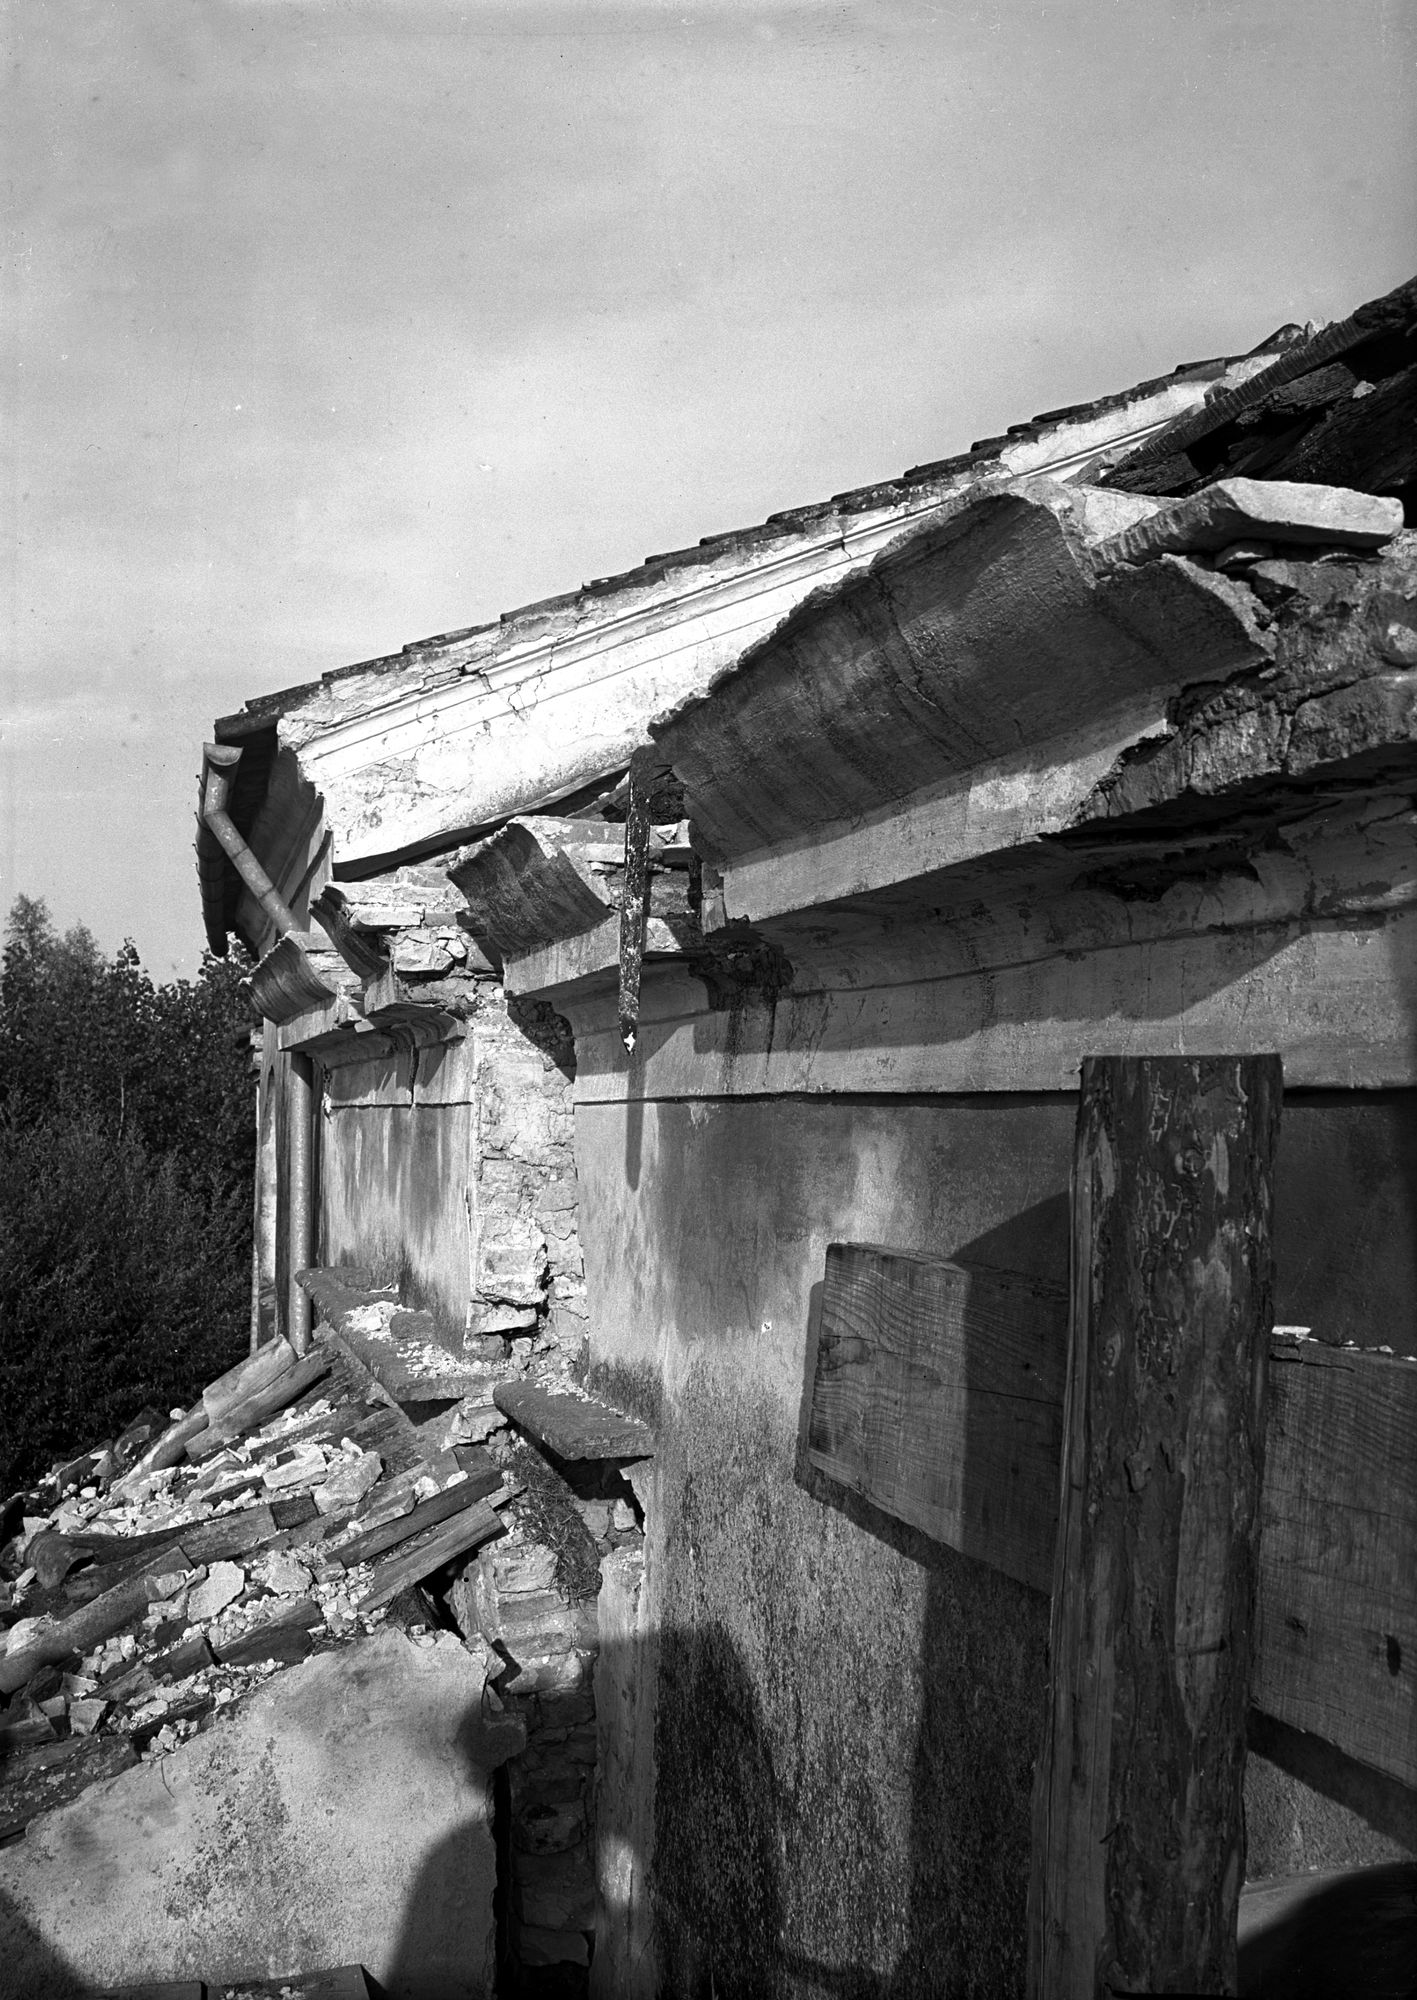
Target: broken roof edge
[{"x": 262, "y": 711}]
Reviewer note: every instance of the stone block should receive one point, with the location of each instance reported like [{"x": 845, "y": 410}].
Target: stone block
[
  {"x": 544, "y": 1827},
  {"x": 1275, "y": 510},
  {"x": 512, "y": 1570},
  {"x": 505, "y": 1321},
  {"x": 567, "y": 1708},
  {"x": 555, "y": 1891},
  {"x": 542, "y": 1947},
  {"x": 540, "y": 1673},
  {"x": 581, "y": 1743},
  {"x": 511, "y": 1260},
  {"x": 535, "y": 1781},
  {"x": 539, "y": 1622},
  {"x": 339, "y": 1815}
]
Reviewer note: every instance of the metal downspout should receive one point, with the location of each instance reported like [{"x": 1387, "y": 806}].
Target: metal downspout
[
  {"x": 221, "y": 761},
  {"x": 300, "y": 1194}
]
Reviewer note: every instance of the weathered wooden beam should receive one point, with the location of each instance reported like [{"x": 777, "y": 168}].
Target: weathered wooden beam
[
  {"x": 260, "y": 1405},
  {"x": 573, "y": 1424},
  {"x": 634, "y": 898},
  {"x": 55, "y": 1773},
  {"x": 1138, "y": 1834},
  {"x": 441, "y": 1507},
  {"x": 467, "y": 1529},
  {"x": 1336, "y": 1629},
  {"x": 938, "y": 1397}
]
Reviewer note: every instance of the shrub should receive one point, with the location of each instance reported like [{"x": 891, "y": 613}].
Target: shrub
[{"x": 126, "y": 1154}]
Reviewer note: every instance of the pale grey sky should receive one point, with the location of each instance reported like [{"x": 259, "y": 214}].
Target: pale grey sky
[{"x": 330, "y": 326}]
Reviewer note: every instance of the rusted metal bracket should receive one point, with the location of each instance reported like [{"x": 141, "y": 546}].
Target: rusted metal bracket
[{"x": 645, "y": 769}]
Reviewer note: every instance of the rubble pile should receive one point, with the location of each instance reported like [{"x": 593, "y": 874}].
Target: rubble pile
[
  {"x": 149, "y": 1585},
  {"x": 146, "y": 1586}
]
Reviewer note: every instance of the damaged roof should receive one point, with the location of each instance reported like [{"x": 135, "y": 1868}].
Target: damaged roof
[
  {"x": 262, "y": 711},
  {"x": 417, "y": 752},
  {"x": 556, "y": 640}
]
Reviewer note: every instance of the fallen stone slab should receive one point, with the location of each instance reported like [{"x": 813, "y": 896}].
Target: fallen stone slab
[
  {"x": 400, "y": 1348},
  {"x": 1266, "y": 510},
  {"x": 340, "y": 1815},
  {"x": 573, "y": 1424}
]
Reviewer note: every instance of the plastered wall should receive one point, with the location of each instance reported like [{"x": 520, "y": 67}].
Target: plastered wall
[{"x": 847, "y": 1714}]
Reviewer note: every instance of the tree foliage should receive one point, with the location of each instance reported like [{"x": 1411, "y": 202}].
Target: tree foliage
[{"x": 126, "y": 1154}]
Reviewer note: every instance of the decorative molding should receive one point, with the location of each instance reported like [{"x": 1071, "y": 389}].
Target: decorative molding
[
  {"x": 528, "y": 885},
  {"x": 285, "y": 983},
  {"x": 984, "y": 635},
  {"x": 466, "y": 731}
]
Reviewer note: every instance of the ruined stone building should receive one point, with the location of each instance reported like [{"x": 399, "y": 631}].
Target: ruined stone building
[{"x": 616, "y": 959}]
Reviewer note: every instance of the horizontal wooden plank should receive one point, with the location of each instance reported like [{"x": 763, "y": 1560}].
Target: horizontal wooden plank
[
  {"x": 938, "y": 1398},
  {"x": 467, "y": 1530},
  {"x": 284, "y": 1638},
  {"x": 574, "y": 1425},
  {"x": 441, "y": 1507},
  {"x": 56, "y": 1773},
  {"x": 1337, "y": 1630}
]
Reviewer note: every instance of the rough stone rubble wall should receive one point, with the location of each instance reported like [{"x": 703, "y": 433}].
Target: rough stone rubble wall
[
  {"x": 528, "y": 1276},
  {"x": 551, "y": 1645}
]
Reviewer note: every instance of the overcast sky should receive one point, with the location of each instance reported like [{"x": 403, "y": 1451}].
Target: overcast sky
[{"x": 331, "y": 326}]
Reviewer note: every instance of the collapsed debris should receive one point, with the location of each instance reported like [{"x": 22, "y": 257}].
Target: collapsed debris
[
  {"x": 152, "y": 1583},
  {"x": 152, "y": 1587}
]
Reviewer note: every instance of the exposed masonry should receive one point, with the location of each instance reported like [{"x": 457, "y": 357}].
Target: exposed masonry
[
  {"x": 528, "y": 1275},
  {"x": 532, "y": 1605}
]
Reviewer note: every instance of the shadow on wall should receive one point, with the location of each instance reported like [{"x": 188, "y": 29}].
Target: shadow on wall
[{"x": 720, "y": 1871}]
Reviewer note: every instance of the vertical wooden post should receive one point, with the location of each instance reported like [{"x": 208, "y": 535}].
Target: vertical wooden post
[{"x": 1137, "y": 1834}]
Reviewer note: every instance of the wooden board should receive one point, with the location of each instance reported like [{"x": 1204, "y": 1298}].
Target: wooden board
[
  {"x": 441, "y": 1507},
  {"x": 56, "y": 1773},
  {"x": 1337, "y": 1620},
  {"x": 1338, "y": 1563},
  {"x": 474, "y": 1525},
  {"x": 938, "y": 1397},
  {"x": 574, "y": 1426}
]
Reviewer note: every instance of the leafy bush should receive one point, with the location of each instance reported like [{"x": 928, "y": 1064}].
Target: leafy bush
[{"x": 126, "y": 1155}]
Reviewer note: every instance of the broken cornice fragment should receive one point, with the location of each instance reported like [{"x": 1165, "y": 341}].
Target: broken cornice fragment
[{"x": 1249, "y": 510}]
